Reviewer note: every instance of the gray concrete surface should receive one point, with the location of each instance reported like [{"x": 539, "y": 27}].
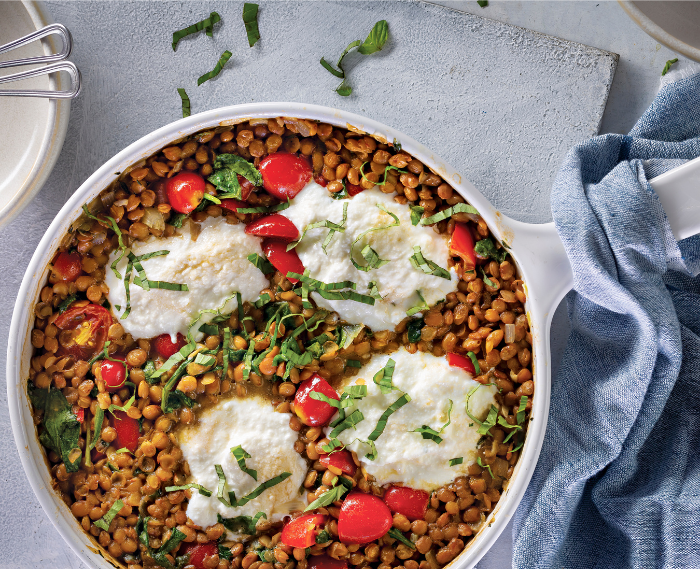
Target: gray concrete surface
[{"x": 438, "y": 79}]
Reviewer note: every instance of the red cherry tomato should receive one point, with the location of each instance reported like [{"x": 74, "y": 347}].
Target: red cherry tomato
[
  {"x": 458, "y": 360},
  {"x": 83, "y": 330},
  {"x": 301, "y": 532},
  {"x": 407, "y": 501},
  {"x": 321, "y": 181},
  {"x": 284, "y": 175},
  {"x": 233, "y": 205},
  {"x": 363, "y": 518},
  {"x": 342, "y": 460},
  {"x": 284, "y": 261},
  {"x": 247, "y": 187},
  {"x": 311, "y": 411},
  {"x": 80, "y": 415},
  {"x": 462, "y": 245},
  {"x": 165, "y": 347},
  {"x": 198, "y": 551},
  {"x": 352, "y": 189},
  {"x": 185, "y": 191},
  {"x": 66, "y": 268},
  {"x": 325, "y": 561},
  {"x": 274, "y": 225},
  {"x": 128, "y": 431},
  {"x": 113, "y": 373}
]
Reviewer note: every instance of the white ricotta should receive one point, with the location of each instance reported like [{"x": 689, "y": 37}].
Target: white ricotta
[
  {"x": 213, "y": 267},
  {"x": 397, "y": 281},
  {"x": 403, "y": 456},
  {"x": 265, "y": 435}
]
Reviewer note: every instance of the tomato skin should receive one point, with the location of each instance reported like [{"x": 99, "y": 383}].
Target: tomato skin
[
  {"x": 311, "y": 411},
  {"x": 128, "y": 431},
  {"x": 284, "y": 261},
  {"x": 165, "y": 347},
  {"x": 407, "y": 501},
  {"x": 363, "y": 518},
  {"x": 458, "y": 360},
  {"x": 274, "y": 225},
  {"x": 301, "y": 532},
  {"x": 232, "y": 205},
  {"x": 321, "y": 181},
  {"x": 113, "y": 373},
  {"x": 462, "y": 245},
  {"x": 342, "y": 460},
  {"x": 89, "y": 325},
  {"x": 247, "y": 187},
  {"x": 284, "y": 175},
  {"x": 198, "y": 551},
  {"x": 66, "y": 268},
  {"x": 352, "y": 189},
  {"x": 185, "y": 191},
  {"x": 80, "y": 415},
  {"x": 325, "y": 561}
]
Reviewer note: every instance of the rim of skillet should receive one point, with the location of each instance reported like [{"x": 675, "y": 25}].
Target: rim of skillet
[{"x": 19, "y": 347}]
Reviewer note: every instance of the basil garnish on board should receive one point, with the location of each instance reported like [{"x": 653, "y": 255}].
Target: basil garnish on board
[
  {"x": 250, "y": 20},
  {"x": 374, "y": 42},
  {"x": 207, "y": 25},
  {"x": 668, "y": 65},
  {"x": 217, "y": 68},
  {"x": 186, "y": 109}
]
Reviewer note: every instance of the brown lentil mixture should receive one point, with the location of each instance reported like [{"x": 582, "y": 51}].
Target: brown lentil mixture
[{"x": 473, "y": 318}]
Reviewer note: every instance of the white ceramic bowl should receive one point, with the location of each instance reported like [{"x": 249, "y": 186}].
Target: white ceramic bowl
[
  {"x": 32, "y": 130},
  {"x": 536, "y": 249}
]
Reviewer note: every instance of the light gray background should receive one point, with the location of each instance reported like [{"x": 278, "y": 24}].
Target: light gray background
[{"x": 471, "y": 90}]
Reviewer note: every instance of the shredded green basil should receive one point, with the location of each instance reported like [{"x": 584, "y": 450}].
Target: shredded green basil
[
  {"x": 227, "y": 168},
  {"x": 397, "y": 145},
  {"x": 449, "y": 212},
  {"x": 486, "y": 280},
  {"x": 396, "y": 534},
  {"x": 482, "y": 3},
  {"x": 416, "y": 214},
  {"x": 241, "y": 524},
  {"x": 381, "y": 424},
  {"x": 179, "y": 356},
  {"x": 387, "y": 169},
  {"x": 207, "y": 24},
  {"x": 327, "y": 498},
  {"x": 261, "y": 263},
  {"x": 422, "y": 306},
  {"x": 383, "y": 377},
  {"x": 491, "y": 417},
  {"x": 112, "y": 408},
  {"x": 475, "y": 362},
  {"x": 486, "y": 248},
  {"x": 332, "y": 228},
  {"x": 250, "y": 20},
  {"x": 201, "y": 489},
  {"x": 520, "y": 416},
  {"x": 217, "y": 68},
  {"x": 104, "y": 521},
  {"x": 99, "y": 419},
  {"x": 332, "y": 291},
  {"x": 272, "y": 209},
  {"x": 426, "y": 265},
  {"x": 368, "y": 254},
  {"x": 350, "y": 421},
  {"x": 486, "y": 466},
  {"x": 428, "y": 433},
  {"x": 240, "y": 455},
  {"x": 66, "y": 303},
  {"x": 668, "y": 65},
  {"x": 115, "y": 228},
  {"x": 186, "y": 108},
  {"x": 353, "y": 363},
  {"x": 236, "y": 503},
  {"x": 413, "y": 329},
  {"x": 456, "y": 461}
]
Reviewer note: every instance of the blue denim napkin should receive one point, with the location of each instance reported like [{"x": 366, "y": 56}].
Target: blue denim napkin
[{"x": 618, "y": 482}]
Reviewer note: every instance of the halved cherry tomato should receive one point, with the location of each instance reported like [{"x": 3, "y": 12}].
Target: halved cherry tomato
[
  {"x": 284, "y": 261},
  {"x": 325, "y": 561},
  {"x": 462, "y": 245},
  {"x": 233, "y": 205},
  {"x": 128, "y": 431},
  {"x": 341, "y": 459},
  {"x": 83, "y": 330},
  {"x": 352, "y": 189},
  {"x": 407, "y": 501},
  {"x": 458, "y": 360},
  {"x": 274, "y": 225},
  {"x": 80, "y": 415},
  {"x": 165, "y": 346},
  {"x": 113, "y": 373},
  {"x": 363, "y": 518},
  {"x": 198, "y": 551},
  {"x": 247, "y": 187},
  {"x": 321, "y": 181},
  {"x": 284, "y": 175},
  {"x": 301, "y": 532},
  {"x": 185, "y": 191},
  {"x": 311, "y": 411},
  {"x": 66, "y": 268}
]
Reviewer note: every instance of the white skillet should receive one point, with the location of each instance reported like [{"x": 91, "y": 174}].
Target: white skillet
[{"x": 536, "y": 249}]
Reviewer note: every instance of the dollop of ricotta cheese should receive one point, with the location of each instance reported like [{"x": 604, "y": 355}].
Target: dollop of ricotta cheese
[
  {"x": 263, "y": 433},
  {"x": 404, "y": 456},
  {"x": 397, "y": 281},
  {"x": 214, "y": 266}
]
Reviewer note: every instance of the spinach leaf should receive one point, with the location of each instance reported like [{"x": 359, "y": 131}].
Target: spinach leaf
[
  {"x": 225, "y": 176},
  {"x": 487, "y": 248},
  {"x": 61, "y": 426},
  {"x": 414, "y": 328}
]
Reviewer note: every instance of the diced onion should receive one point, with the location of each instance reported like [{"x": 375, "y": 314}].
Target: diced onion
[
  {"x": 121, "y": 202},
  {"x": 107, "y": 199},
  {"x": 510, "y": 333},
  {"x": 153, "y": 219}
]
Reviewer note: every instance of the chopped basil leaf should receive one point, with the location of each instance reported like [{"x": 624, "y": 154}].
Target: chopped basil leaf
[
  {"x": 520, "y": 416},
  {"x": 201, "y": 489},
  {"x": 250, "y": 20},
  {"x": 376, "y": 39},
  {"x": 414, "y": 328},
  {"x": 396, "y": 145},
  {"x": 396, "y": 534},
  {"x": 104, "y": 521},
  {"x": 368, "y": 254},
  {"x": 486, "y": 280},
  {"x": 381, "y": 424},
  {"x": 330, "y": 291},
  {"x": 323, "y": 537},
  {"x": 353, "y": 419},
  {"x": 386, "y": 171},
  {"x": 122, "y": 247},
  {"x": 61, "y": 427},
  {"x": 172, "y": 542},
  {"x": 186, "y": 108},
  {"x": 332, "y": 227},
  {"x": 456, "y": 461},
  {"x": 475, "y": 362},
  {"x": 426, "y": 265},
  {"x": 217, "y": 68},
  {"x": 482, "y": 3},
  {"x": 227, "y": 167},
  {"x": 346, "y": 335},
  {"x": 449, "y": 212},
  {"x": 668, "y": 65},
  {"x": 225, "y": 552},
  {"x": 271, "y": 209},
  {"x": 353, "y": 363},
  {"x": 206, "y": 24},
  {"x": 261, "y": 263},
  {"x": 318, "y": 396},
  {"x": 486, "y": 248},
  {"x": 428, "y": 433},
  {"x": 172, "y": 400},
  {"x": 486, "y": 466},
  {"x": 383, "y": 377},
  {"x": 416, "y": 213},
  {"x": 240, "y": 456},
  {"x": 112, "y": 408},
  {"x": 66, "y": 303},
  {"x": 175, "y": 359},
  {"x": 177, "y": 219},
  {"x": 99, "y": 419},
  {"x": 422, "y": 306},
  {"x": 241, "y": 524},
  {"x": 327, "y": 498}
]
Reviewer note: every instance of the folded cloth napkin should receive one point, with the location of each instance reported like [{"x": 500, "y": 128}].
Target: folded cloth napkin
[{"x": 618, "y": 482}]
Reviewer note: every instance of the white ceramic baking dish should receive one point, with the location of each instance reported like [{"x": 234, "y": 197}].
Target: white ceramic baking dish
[{"x": 536, "y": 249}]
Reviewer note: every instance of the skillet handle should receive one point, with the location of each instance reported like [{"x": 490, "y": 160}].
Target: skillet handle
[{"x": 679, "y": 192}]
